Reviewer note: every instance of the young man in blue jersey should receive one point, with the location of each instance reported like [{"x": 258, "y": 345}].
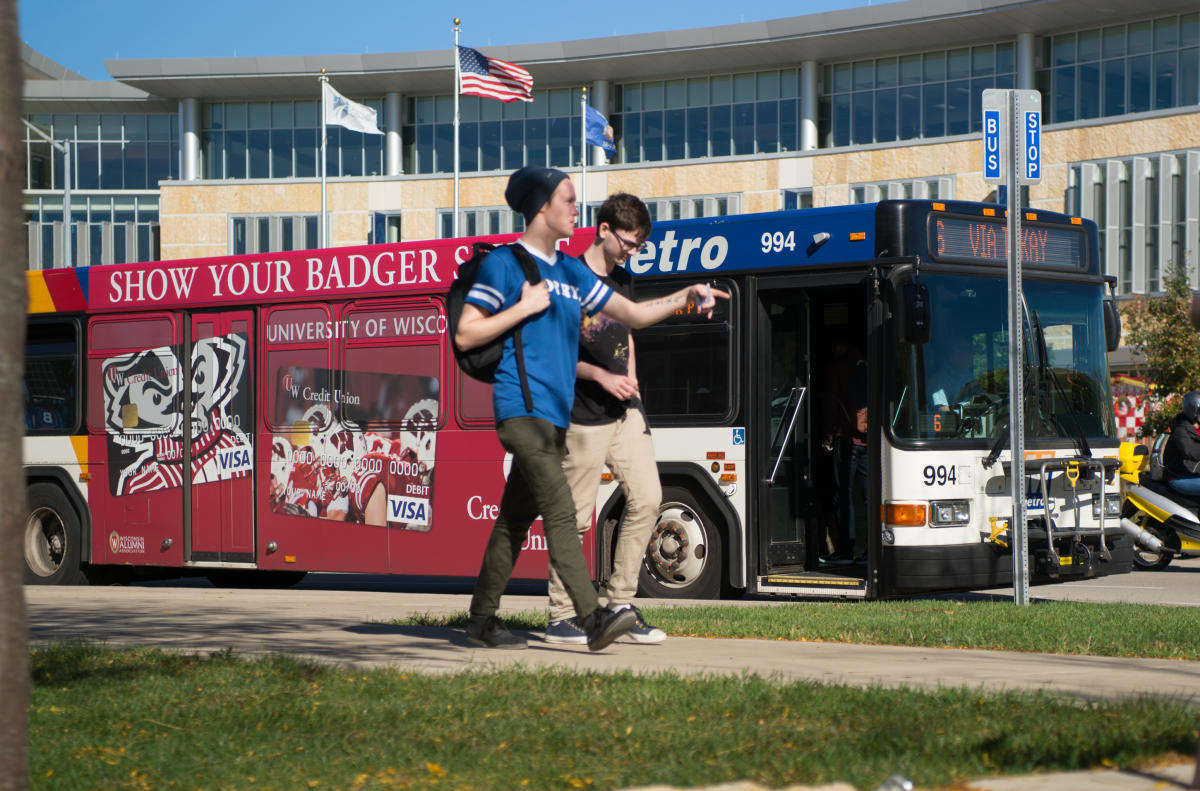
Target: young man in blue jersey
[
  {"x": 609, "y": 427},
  {"x": 549, "y": 314}
]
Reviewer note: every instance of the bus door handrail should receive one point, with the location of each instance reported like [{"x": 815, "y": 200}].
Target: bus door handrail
[{"x": 788, "y": 434}]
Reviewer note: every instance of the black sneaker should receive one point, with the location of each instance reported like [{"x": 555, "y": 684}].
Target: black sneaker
[
  {"x": 490, "y": 632},
  {"x": 604, "y": 626}
]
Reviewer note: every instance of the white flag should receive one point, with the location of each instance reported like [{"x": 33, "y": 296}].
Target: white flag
[{"x": 341, "y": 111}]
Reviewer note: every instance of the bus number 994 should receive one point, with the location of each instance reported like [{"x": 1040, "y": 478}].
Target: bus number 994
[
  {"x": 776, "y": 242},
  {"x": 940, "y": 475}
]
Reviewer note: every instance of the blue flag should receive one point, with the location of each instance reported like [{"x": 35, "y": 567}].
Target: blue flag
[{"x": 599, "y": 133}]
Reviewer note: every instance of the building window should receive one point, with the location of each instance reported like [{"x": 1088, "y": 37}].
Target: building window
[
  {"x": 273, "y": 233},
  {"x": 493, "y": 135},
  {"x": 482, "y": 221},
  {"x": 280, "y": 140},
  {"x": 797, "y": 199},
  {"x": 931, "y": 188},
  {"x": 385, "y": 227},
  {"x": 1133, "y": 68},
  {"x": 722, "y": 115},
  {"x": 692, "y": 207},
  {"x": 930, "y": 94},
  {"x": 109, "y": 151},
  {"x": 1147, "y": 210},
  {"x": 104, "y": 229}
]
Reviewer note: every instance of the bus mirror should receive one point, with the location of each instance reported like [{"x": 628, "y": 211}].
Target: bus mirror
[
  {"x": 914, "y": 313},
  {"x": 1112, "y": 325}
]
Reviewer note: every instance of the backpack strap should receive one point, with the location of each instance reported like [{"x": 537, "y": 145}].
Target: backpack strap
[{"x": 534, "y": 275}]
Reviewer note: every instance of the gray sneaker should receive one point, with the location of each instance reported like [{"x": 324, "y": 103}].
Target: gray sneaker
[{"x": 643, "y": 632}]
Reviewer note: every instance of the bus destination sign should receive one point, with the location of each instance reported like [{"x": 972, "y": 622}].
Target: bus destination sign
[{"x": 961, "y": 239}]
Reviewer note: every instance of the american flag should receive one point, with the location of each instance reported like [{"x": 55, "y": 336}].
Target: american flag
[{"x": 491, "y": 78}]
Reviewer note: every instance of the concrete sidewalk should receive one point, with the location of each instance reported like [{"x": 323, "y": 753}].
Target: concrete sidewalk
[{"x": 349, "y": 628}]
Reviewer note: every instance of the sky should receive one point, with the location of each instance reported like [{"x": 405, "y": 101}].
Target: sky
[{"x": 82, "y": 34}]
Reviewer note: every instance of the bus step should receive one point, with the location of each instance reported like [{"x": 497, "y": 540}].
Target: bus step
[{"x": 808, "y": 583}]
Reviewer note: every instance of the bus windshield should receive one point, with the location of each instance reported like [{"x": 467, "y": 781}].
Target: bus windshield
[{"x": 955, "y": 386}]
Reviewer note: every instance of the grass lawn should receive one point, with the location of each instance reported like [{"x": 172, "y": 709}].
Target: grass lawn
[
  {"x": 105, "y": 718},
  {"x": 1050, "y": 627}
]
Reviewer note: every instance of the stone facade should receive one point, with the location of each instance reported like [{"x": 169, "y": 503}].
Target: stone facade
[{"x": 195, "y": 216}]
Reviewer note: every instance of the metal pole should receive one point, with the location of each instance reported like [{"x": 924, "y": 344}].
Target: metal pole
[
  {"x": 68, "y": 246},
  {"x": 583, "y": 156},
  {"x": 1016, "y": 369},
  {"x": 324, "y": 219},
  {"x": 457, "y": 87}
]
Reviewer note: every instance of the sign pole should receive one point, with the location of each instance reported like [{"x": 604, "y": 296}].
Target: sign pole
[
  {"x": 1019, "y": 530},
  {"x": 1012, "y": 156}
]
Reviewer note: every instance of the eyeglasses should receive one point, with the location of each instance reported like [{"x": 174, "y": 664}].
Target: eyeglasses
[{"x": 632, "y": 245}]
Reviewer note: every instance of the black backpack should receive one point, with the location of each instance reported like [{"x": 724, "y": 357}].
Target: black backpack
[{"x": 481, "y": 362}]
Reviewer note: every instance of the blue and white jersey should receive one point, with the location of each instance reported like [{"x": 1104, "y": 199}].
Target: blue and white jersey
[{"x": 551, "y": 338}]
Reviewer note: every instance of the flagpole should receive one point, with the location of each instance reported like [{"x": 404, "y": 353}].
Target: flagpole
[
  {"x": 583, "y": 148},
  {"x": 457, "y": 85},
  {"x": 323, "y": 80}
]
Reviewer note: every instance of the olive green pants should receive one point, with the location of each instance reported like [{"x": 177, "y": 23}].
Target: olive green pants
[{"x": 536, "y": 485}]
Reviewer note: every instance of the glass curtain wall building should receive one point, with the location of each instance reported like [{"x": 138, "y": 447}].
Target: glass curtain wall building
[
  {"x": 117, "y": 163},
  {"x": 879, "y": 105}
]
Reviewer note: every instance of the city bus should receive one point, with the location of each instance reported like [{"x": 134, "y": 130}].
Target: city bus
[{"x": 253, "y": 418}]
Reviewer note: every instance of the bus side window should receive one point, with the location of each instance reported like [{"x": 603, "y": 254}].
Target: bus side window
[
  {"x": 52, "y": 373},
  {"x": 684, "y": 363}
]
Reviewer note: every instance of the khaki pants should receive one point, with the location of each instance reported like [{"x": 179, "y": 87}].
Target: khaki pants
[{"x": 626, "y": 447}]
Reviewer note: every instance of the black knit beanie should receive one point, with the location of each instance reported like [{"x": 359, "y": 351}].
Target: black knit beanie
[{"x": 529, "y": 188}]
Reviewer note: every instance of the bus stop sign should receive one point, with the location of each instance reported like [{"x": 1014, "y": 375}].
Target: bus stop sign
[
  {"x": 1033, "y": 140},
  {"x": 1004, "y": 110}
]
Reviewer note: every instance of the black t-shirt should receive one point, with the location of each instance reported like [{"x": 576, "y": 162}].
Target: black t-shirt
[
  {"x": 1181, "y": 456},
  {"x": 603, "y": 342}
]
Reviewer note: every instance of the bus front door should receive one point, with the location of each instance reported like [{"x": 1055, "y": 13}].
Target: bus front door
[
  {"x": 782, "y": 376},
  {"x": 802, "y": 333},
  {"x": 220, "y": 490}
]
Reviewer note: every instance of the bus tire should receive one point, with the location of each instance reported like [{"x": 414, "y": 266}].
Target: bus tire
[
  {"x": 53, "y": 542},
  {"x": 684, "y": 557}
]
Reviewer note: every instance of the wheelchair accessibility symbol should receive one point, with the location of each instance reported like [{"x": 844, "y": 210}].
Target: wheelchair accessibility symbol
[{"x": 739, "y": 436}]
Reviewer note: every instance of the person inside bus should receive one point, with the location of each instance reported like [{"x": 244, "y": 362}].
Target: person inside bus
[
  {"x": 549, "y": 313},
  {"x": 950, "y": 376},
  {"x": 845, "y": 411},
  {"x": 1181, "y": 456},
  {"x": 609, "y": 427}
]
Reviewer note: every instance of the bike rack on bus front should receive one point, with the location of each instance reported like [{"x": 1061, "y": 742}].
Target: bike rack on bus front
[{"x": 1073, "y": 468}]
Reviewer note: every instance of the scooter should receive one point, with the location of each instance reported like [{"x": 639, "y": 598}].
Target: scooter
[{"x": 1164, "y": 523}]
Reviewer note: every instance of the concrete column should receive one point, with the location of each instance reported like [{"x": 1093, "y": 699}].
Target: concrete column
[
  {"x": 1026, "y": 70},
  {"x": 598, "y": 98},
  {"x": 189, "y": 139},
  {"x": 394, "y": 158},
  {"x": 808, "y": 105}
]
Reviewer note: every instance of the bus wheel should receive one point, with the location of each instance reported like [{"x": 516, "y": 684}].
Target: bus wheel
[
  {"x": 52, "y": 538},
  {"x": 683, "y": 560}
]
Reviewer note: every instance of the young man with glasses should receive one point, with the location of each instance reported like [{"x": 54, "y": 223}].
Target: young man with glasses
[
  {"x": 609, "y": 427},
  {"x": 548, "y": 312}
]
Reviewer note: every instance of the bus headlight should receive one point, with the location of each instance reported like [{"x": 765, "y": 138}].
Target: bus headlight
[
  {"x": 1112, "y": 506},
  {"x": 944, "y": 513}
]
